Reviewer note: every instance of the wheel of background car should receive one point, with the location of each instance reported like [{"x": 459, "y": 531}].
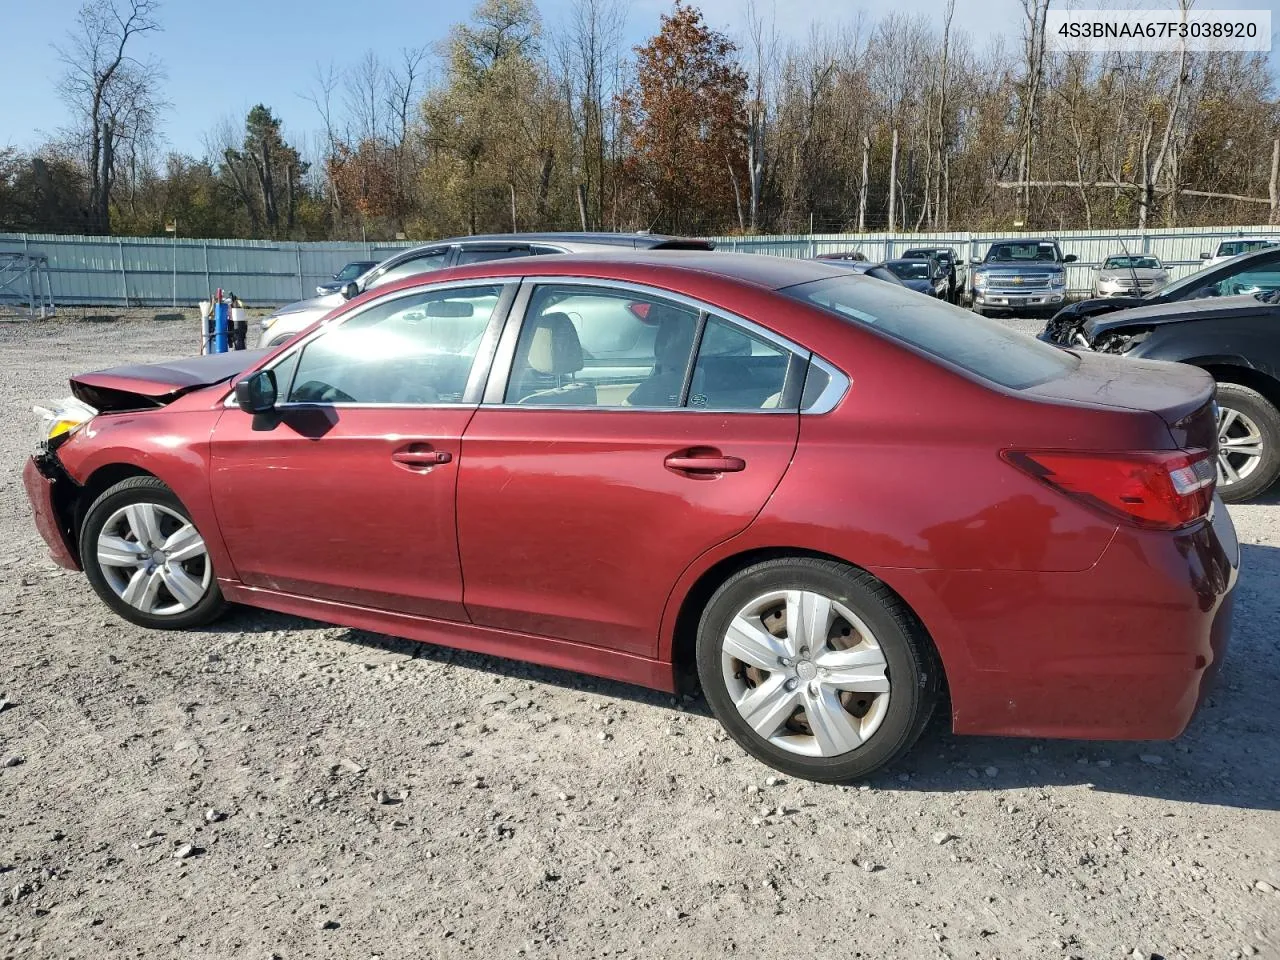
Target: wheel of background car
[
  {"x": 281, "y": 340},
  {"x": 144, "y": 557},
  {"x": 1248, "y": 443},
  {"x": 816, "y": 668}
]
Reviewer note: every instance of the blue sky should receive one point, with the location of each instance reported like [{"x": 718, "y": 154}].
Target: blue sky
[{"x": 222, "y": 58}]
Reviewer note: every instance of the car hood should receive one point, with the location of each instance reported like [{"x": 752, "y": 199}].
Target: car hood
[
  {"x": 1158, "y": 314},
  {"x": 1124, "y": 273},
  {"x": 920, "y": 286},
  {"x": 137, "y": 386},
  {"x": 323, "y": 303}
]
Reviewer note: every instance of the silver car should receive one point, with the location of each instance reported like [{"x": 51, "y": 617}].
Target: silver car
[
  {"x": 290, "y": 320},
  {"x": 1126, "y": 275}
]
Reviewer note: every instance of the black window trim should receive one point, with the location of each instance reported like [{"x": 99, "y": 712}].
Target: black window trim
[{"x": 500, "y": 370}]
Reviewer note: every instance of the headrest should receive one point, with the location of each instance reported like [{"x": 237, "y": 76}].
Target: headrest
[
  {"x": 674, "y": 339},
  {"x": 555, "y": 349}
]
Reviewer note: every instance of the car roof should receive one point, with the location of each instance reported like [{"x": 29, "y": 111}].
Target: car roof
[
  {"x": 761, "y": 270},
  {"x": 572, "y": 241}
]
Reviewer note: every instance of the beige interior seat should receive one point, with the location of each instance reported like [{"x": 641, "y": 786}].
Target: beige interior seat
[{"x": 553, "y": 350}]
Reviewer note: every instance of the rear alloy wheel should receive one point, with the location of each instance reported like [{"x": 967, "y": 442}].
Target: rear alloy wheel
[
  {"x": 1248, "y": 443},
  {"x": 816, "y": 668},
  {"x": 146, "y": 559}
]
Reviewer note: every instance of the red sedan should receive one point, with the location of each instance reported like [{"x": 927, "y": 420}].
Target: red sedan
[{"x": 824, "y": 498}]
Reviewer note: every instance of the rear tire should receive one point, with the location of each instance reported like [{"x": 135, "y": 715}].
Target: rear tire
[
  {"x": 144, "y": 557},
  {"x": 1247, "y": 421},
  {"x": 856, "y": 660}
]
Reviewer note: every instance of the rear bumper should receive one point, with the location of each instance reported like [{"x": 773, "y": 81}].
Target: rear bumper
[
  {"x": 45, "y": 483},
  {"x": 1123, "y": 651}
]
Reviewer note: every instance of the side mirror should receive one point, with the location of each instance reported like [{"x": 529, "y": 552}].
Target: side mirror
[
  {"x": 256, "y": 393},
  {"x": 351, "y": 291},
  {"x": 1070, "y": 258},
  {"x": 974, "y": 261},
  {"x": 1205, "y": 255}
]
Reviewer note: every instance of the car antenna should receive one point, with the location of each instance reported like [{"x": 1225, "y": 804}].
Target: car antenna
[{"x": 1133, "y": 271}]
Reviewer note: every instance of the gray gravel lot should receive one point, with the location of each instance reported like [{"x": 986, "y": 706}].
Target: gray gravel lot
[{"x": 342, "y": 794}]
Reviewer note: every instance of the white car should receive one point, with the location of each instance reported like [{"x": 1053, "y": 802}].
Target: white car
[
  {"x": 287, "y": 322},
  {"x": 1233, "y": 248},
  {"x": 1125, "y": 275}
]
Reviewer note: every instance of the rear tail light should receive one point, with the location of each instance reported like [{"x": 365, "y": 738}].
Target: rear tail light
[{"x": 1159, "y": 489}]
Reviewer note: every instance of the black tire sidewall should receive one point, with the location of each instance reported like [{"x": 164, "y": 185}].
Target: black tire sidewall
[
  {"x": 130, "y": 491},
  {"x": 912, "y": 669},
  {"x": 1234, "y": 396}
]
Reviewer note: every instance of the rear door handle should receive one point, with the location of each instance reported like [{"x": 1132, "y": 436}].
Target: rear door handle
[
  {"x": 692, "y": 462},
  {"x": 420, "y": 455}
]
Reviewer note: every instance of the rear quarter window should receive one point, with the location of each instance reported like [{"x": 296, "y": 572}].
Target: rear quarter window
[{"x": 981, "y": 346}]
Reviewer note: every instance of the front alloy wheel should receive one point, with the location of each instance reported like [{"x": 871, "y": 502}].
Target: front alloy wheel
[
  {"x": 145, "y": 558},
  {"x": 816, "y": 668}
]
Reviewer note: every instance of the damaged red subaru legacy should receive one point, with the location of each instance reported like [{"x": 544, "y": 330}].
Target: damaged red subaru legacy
[{"x": 824, "y": 499}]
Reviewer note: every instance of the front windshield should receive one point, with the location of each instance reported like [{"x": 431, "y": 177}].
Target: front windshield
[
  {"x": 1233, "y": 248},
  {"x": 351, "y": 271},
  {"x": 908, "y": 270},
  {"x": 1022, "y": 252},
  {"x": 1131, "y": 263},
  {"x": 925, "y": 254},
  {"x": 1196, "y": 280}
]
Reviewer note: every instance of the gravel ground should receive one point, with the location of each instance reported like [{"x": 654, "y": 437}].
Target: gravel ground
[{"x": 273, "y": 787}]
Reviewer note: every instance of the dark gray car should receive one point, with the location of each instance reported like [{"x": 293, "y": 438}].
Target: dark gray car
[{"x": 289, "y": 320}]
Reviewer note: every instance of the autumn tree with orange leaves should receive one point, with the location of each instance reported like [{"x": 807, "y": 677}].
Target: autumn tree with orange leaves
[{"x": 684, "y": 127}]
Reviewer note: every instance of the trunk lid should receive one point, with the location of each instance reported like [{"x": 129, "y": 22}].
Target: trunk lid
[
  {"x": 1180, "y": 395},
  {"x": 138, "y": 386}
]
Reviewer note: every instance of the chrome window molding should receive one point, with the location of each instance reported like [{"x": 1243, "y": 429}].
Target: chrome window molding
[
  {"x": 837, "y": 386},
  {"x": 500, "y": 370}
]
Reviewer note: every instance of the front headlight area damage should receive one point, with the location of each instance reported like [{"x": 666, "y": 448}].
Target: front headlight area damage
[
  {"x": 60, "y": 421},
  {"x": 1119, "y": 341}
]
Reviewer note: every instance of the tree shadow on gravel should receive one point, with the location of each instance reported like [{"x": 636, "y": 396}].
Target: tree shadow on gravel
[{"x": 1226, "y": 757}]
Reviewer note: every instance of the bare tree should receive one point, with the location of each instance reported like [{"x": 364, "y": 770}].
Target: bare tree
[
  {"x": 1036, "y": 11},
  {"x": 762, "y": 46},
  {"x": 112, "y": 94}
]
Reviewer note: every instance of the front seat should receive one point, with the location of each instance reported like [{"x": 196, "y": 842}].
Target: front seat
[
  {"x": 553, "y": 351},
  {"x": 671, "y": 348}
]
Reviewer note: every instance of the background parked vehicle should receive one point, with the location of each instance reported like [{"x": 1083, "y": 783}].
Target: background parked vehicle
[
  {"x": 352, "y": 271},
  {"x": 957, "y": 272},
  {"x": 876, "y": 270},
  {"x": 1257, "y": 272},
  {"x": 926, "y": 276},
  {"x": 1025, "y": 276},
  {"x": 1233, "y": 248},
  {"x": 1126, "y": 275},
  {"x": 289, "y": 320},
  {"x": 1234, "y": 339},
  {"x": 856, "y": 256},
  {"x": 705, "y": 502}
]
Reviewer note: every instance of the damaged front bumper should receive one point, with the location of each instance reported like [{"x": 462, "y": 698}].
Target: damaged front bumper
[{"x": 49, "y": 490}]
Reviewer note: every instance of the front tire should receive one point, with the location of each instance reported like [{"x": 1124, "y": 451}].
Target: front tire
[
  {"x": 1248, "y": 443},
  {"x": 145, "y": 558},
  {"x": 816, "y": 669}
]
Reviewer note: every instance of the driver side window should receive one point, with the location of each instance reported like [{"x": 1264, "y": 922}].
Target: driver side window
[{"x": 416, "y": 349}]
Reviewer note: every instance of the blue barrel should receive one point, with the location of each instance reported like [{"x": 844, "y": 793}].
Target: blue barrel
[{"x": 221, "y": 327}]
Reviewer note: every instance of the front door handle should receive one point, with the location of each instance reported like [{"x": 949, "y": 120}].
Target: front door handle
[
  {"x": 704, "y": 461},
  {"x": 418, "y": 456}
]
